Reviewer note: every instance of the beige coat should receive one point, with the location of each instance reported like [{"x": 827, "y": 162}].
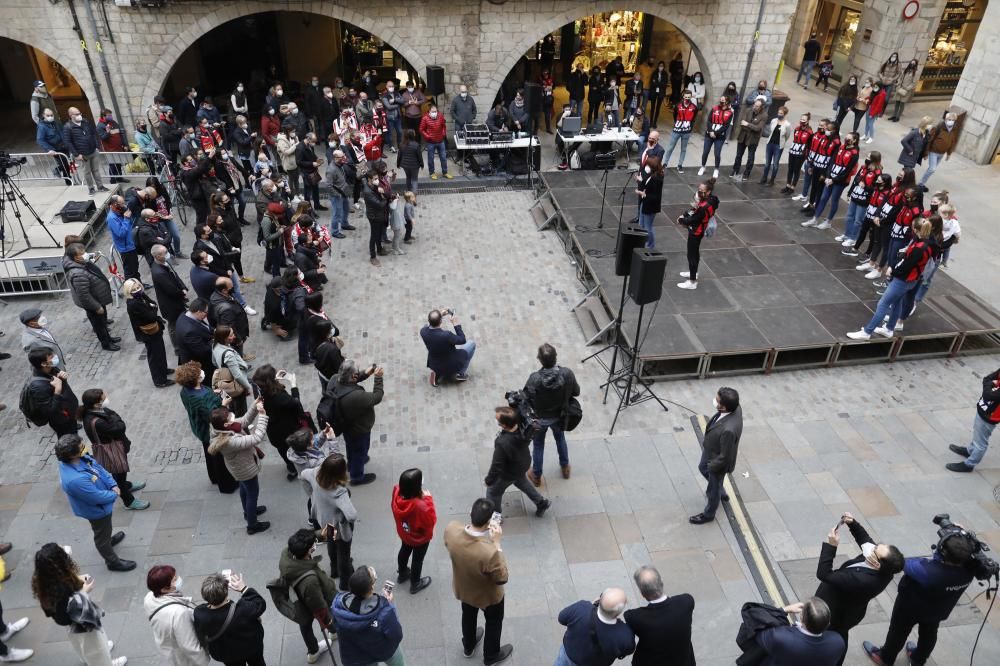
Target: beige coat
[
  {"x": 286, "y": 150},
  {"x": 479, "y": 569},
  {"x": 238, "y": 450}
]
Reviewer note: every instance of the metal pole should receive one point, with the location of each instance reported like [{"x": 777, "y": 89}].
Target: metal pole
[
  {"x": 753, "y": 50},
  {"x": 86, "y": 53},
  {"x": 105, "y": 69}
]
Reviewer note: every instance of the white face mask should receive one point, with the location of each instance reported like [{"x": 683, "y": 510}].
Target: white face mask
[
  {"x": 55, "y": 361},
  {"x": 949, "y": 123},
  {"x": 648, "y": 170},
  {"x": 464, "y": 95},
  {"x": 43, "y": 321},
  {"x": 434, "y": 114},
  {"x": 88, "y": 256},
  {"x": 409, "y": 90},
  {"x": 715, "y": 402},
  {"x": 302, "y": 276},
  {"x": 239, "y": 88},
  {"x": 201, "y": 376},
  {"x": 179, "y": 584},
  {"x": 867, "y": 549},
  {"x": 210, "y": 258},
  {"x": 279, "y": 92},
  {"x": 105, "y": 402}
]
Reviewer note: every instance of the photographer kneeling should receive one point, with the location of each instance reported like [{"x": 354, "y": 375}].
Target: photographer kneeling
[
  {"x": 929, "y": 590},
  {"x": 448, "y": 354}
]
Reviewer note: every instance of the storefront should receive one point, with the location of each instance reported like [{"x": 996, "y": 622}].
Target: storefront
[
  {"x": 836, "y": 25},
  {"x": 363, "y": 51},
  {"x": 950, "y": 49},
  {"x": 593, "y": 41}
]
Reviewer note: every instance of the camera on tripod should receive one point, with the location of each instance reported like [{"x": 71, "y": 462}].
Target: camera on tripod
[
  {"x": 8, "y": 162},
  {"x": 982, "y": 566}
]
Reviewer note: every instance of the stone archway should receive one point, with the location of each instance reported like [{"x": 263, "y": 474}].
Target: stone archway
[
  {"x": 185, "y": 39},
  {"x": 679, "y": 13},
  {"x": 71, "y": 60}
]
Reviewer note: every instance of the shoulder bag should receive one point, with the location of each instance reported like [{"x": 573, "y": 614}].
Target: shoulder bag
[
  {"x": 572, "y": 412},
  {"x": 223, "y": 379},
  {"x": 225, "y": 625},
  {"x": 112, "y": 455}
]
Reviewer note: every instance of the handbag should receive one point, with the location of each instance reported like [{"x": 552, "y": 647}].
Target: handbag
[
  {"x": 306, "y": 421},
  {"x": 112, "y": 455},
  {"x": 151, "y": 328},
  {"x": 572, "y": 413},
  {"x": 259, "y": 452},
  {"x": 314, "y": 178},
  {"x": 223, "y": 379}
]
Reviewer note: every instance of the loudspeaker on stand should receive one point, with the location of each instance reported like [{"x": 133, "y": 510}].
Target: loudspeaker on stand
[
  {"x": 630, "y": 238},
  {"x": 646, "y": 278}
]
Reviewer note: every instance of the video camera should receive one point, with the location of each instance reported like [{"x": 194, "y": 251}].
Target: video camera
[
  {"x": 8, "y": 162},
  {"x": 983, "y": 567}
]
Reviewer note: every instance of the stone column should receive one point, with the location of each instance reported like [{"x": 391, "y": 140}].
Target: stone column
[{"x": 978, "y": 92}]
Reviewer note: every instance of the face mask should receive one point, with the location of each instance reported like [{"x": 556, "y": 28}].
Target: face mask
[
  {"x": 390, "y": 89},
  {"x": 949, "y": 123},
  {"x": 853, "y": 82},
  {"x": 315, "y": 82},
  {"x": 934, "y": 207},
  {"x": 829, "y": 132},
  {"x": 279, "y": 92},
  {"x": 225, "y": 157},
  {"x": 239, "y": 88},
  {"x": 434, "y": 114},
  {"x": 270, "y": 112},
  {"x": 88, "y": 256},
  {"x": 868, "y": 550},
  {"x": 408, "y": 89},
  {"x": 77, "y": 119},
  {"x": 648, "y": 169},
  {"x": 464, "y": 95},
  {"x": 55, "y": 359},
  {"x": 295, "y": 112},
  {"x": 715, "y": 400},
  {"x": 781, "y": 117},
  {"x": 104, "y": 404},
  {"x": 210, "y": 258},
  {"x": 301, "y": 276},
  {"x": 201, "y": 376},
  {"x": 661, "y": 68},
  {"x": 48, "y": 119},
  {"x": 43, "y": 321},
  {"x": 892, "y": 58},
  {"x": 179, "y": 584}
]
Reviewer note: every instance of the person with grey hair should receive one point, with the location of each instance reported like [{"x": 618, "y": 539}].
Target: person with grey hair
[
  {"x": 596, "y": 634},
  {"x": 941, "y": 143},
  {"x": 308, "y": 164},
  {"x": 171, "y": 292},
  {"x": 807, "y": 641},
  {"x": 663, "y": 626},
  {"x": 91, "y": 491},
  {"x": 232, "y": 631},
  {"x": 340, "y": 206},
  {"x": 352, "y": 412}
]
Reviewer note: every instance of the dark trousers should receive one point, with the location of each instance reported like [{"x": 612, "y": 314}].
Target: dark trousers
[
  {"x": 710, "y": 145},
  {"x": 312, "y": 645},
  {"x": 130, "y": 262},
  {"x": 818, "y": 185},
  {"x": 305, "y": 356},
  {"x": 904, "y": 616},
  {"x": 495, "y": 492},
  {"x": 841, "y": 114},
  {"x": 3, "y": 647},
  {"x": 375, "y": 237},
  {"x": 654, "y": 110},
  {"x": 125, "y": 486},
  {"x": 494, "y": 625},
  {"x": 867, "y": 227},
  {"x": 293, "y": 181},
  {"x": 102, "y": 538},
  {"x": 249, "y": 491},
  {"x": 417, "y": 566},
  {"x": 172, "y": 334},
  {"x": 99, "y": 322},
  {"x": 694, "y": 255},
  {"x": 356, "y": 446},
  {"x": 714, "y": 490},
  {"x": 274, "y": 260},
  {"x": 256, "y": 660},
  {"x": 593, "y": 110},
  {"x": 310, "y": 190},
  {"x": 858, "y": 115},
  {"x": 358, "y": 184},
  {"x": 156, "y": 358},
  {"x": 411, "y": 178},
  {"x": 795, "y": 168},
  {"x": 341, "y": 564},
  {"x": 200, "y": 211},
  {"x": 751, "y": 150}
]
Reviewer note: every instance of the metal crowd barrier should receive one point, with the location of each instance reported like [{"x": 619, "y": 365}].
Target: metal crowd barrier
[{"x": 44, "y": 169}]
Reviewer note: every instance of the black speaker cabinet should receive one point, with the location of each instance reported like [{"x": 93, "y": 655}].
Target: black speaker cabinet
[
  {"x": 517, "y": 164},
  {"x": 645, "y": 283},
  {"x": 435, "y": 79},
  {"x": 630, "y": 238},
  {"x": 533, "y": 98}
]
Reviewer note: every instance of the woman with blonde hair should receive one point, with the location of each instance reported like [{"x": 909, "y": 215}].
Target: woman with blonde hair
[
  {"x": 147, "y": 326},
  {"x": 915, "y": 143}
]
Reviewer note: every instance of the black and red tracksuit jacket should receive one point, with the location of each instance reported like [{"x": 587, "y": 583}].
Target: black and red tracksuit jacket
[
  {"x": 892, "y": 205},
  {"x": 696, "y": 219},
  {"x": 875, "y": 201},
  {"x": 988, "y": 406},
  {"x": 801, "y": 138},
  {"x": 719, "y": 121},
  {"x": 843, "y": 165},
  {"x": 825, "y": 150},
  {"x": 684, "y": 115},
  {"x": 863, "y": 184},
  {"x": 911, "y": 266},
  {"x": 902, "y": 226},
  {"x": 815, "y": 141}
]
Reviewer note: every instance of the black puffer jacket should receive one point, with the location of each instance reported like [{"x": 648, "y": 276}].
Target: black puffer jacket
[
  {"x": 549, "y": 388},
  {"x": 511, "y": 457}
]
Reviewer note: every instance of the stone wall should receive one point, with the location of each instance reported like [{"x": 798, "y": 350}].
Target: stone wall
[{"x": 978, "y": 92}]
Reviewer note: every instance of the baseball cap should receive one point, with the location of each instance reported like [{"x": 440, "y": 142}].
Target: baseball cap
[{"x": 30, "y": 314}]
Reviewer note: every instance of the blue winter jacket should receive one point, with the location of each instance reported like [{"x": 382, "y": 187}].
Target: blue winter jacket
[
  {"x": 88, "y": 486},
  {"x": 121, "y": 231},
  {"x": 370, "y": 636},
  {"x": 49, "y": 137}
]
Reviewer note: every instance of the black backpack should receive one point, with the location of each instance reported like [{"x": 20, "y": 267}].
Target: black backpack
[
  {"x": 528, "y": 425},
  {"x": 329, "y": 411},
  {"x": 33, "y": 412}
]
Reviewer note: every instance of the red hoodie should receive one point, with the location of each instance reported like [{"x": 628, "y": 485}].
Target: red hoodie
[{"x": 415, "y": 518}]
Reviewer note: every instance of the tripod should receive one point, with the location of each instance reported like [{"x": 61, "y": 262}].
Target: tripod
[
  {"x": 630, "y": 377},
  {"x": 10, "y": 192}
]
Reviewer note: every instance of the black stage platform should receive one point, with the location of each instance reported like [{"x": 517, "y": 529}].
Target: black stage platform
[{"x": 771, "y": 294}]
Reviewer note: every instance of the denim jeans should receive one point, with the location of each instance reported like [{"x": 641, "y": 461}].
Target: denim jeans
[
  {"x": 646, "y": 222},
  {"x": 852, "y": 223},
  {"x": 175, "y": 236},
  {"x": 236, "y": 292},
  {"x": 933, "y": 160},
  {"x": 339, "y": 208},
  {"x": 772, "y": 155},
  {"x": 470, "y": 350},
  {"x": 925, "y": 283},
  {"x": 833, "y": 193},
  {"x": 806, "y": 70},
  {"x": 892, "y": 251},
  {"x": 562, "y": 659},
  {"x": 440, "y": 149},
  {"x": 356, "y": 447},
  {"x": 890, "y": 304},
  {"x": 538, "y": 444},
  {"x": 807, "y": 181},
  {"x": 981, "y": 431},
  {"x": 249, "y": 491},
  {"x": 575, "y": 107},
  {"x": 870, "y": 125},
  {"x": 674, "y": 136},
  {"x": 711, "y": 144},
  {"x": 395, "y": 128}
]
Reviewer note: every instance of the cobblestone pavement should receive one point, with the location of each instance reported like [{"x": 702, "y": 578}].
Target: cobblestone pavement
[{"x": 871, "y": 440}]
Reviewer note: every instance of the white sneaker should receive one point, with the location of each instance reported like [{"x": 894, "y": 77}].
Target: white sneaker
[
  {"x": 869, "y": 140},
  {"x": 685, "y": 274},
  {"x": 859, "y": 335},
  {"x": 798, "y": 197},
  {"x": 688, "y": 284},
  {"x": 898, "y": 326},
  {"x": 840, "y": 239},
  {"x": 873, "y": 273},
  {"x": 864, "y": 266},
  {"x": 883, "y": 331},
  {"x": 811, "y": 222},
  {"x": 16, "y": 654},
  {"x": 701, "y": 171},
  {"x": 825, "y": 224},
  {"x": 847, "y": 242},
  {"x": 12, "y": 628},
  {"x": 249, "y": 310},
  {"x": 111, "y": 646},
  {"x": 313, "y": 658},
  {"x": 849, "y": 251},
  {"x": 864, "y": 137},
  {"x": 119, "y": 661},
  {"x": 912, "y": 310},
  {"x": 715, "y": 174}
]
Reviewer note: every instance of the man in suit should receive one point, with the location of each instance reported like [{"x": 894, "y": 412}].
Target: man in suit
[
  {"x": 224, "y": 309},
  {"x": 848, "y": 589},
  {"x": 202, "y": 276},
  {"x": 479, "y": 573},
  {"x": 36, "y": 335},
  {"x": 806, "y": 641},
  {"x": 663, "y": 626},
  {"x": 171, "y": 292},
  {"x": 194, "y": 335},
  {"x": 719, "y": 449},
  {"x": 448, "y": 354}
]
